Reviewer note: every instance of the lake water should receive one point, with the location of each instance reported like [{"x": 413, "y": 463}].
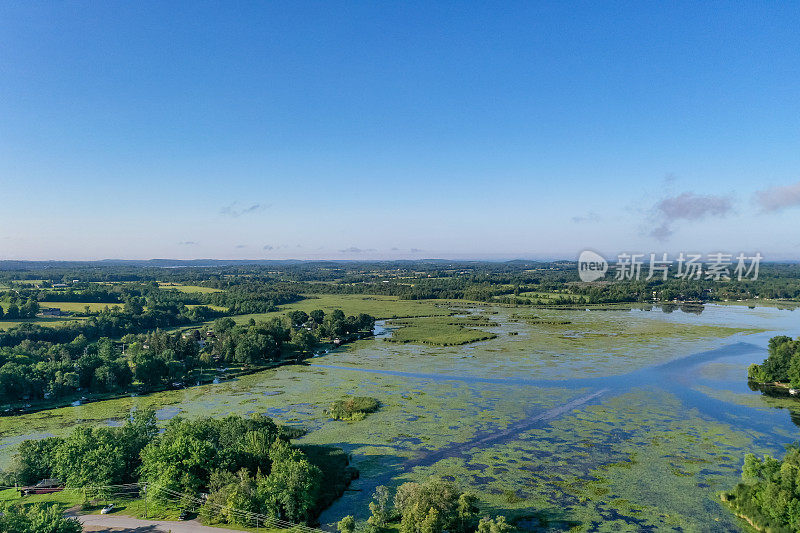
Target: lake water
[{"x": 619, "y": 420}]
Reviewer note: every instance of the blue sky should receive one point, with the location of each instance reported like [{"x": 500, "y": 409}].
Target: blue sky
[{"x": 384, "y": 129}]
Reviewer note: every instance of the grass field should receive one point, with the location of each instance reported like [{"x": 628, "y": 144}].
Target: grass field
[
  {"x": 381, "y": 307},
  {"x": 42, "y": 321},
  {"x": 187, "y": 288},
  {"x": 78, "y": 307}
]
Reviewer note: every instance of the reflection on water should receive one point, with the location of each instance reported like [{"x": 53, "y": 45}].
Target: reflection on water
[{"x": 501, "y": 415}]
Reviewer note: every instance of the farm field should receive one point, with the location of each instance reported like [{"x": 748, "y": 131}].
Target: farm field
[
  {"x": 381, "y": 307},
  {"x": 44, "y": 321},
  {"x": 544, "y": 425},
  {"x": 188, "y": 288},
  {"x": 79, "y": 307}
]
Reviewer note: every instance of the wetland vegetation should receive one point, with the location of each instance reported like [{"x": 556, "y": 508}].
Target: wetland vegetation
[{"x": 569, "y": 414}]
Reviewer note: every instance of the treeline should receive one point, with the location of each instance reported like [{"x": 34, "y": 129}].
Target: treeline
[
  {"x": 302, "y": 332},
  {"x": 33, "y": 369},
  {"x": 769, "y": 494},
  {"x": 781, "y": 365},
  {"x": 111, "y": 322},
  {"x": 433, "y": 506},
  {"x": 239, "y": 296},
  {"x": 19, "y": 309},
  {"x": 250, "y": 298},
  {"x": 242, "y": 463},
  {"x": 258, "y": 286}
]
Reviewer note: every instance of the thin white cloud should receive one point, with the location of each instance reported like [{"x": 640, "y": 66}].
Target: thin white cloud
[
  {"x": 778, "y": 198},
  {"x": 588, "y": 217},
  {"x": 235, "y": 211},
  {"x": 687, "y": 206},
  {"x": 355, "y": 250}
]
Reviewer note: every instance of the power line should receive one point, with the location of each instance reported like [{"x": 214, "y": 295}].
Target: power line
[{"x": 173, "y": 495}]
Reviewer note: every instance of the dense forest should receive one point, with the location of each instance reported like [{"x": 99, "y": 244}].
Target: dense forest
[
  {"x": 241, "y": 466},
  {"x": 39, "y": 367},
  {"x": 782, "y": 365},
  {"x": 769, "y": 494},
  {"x": 242, "y": 463}
]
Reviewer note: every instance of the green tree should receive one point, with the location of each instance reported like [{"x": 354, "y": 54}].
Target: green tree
[
  {"x": 346, "y": 524},
  {"x": 149, "y": 369},
  {"x": 12, "y": 312},
  {"x": 431, "y": 523},
  {"x": 496, "y": 525},
  {"x": 37, "y": 518},
  {"x": 89, "y": 457},
  {"x": 290, "y": 489},
  {"x": 317, "y": 315},
  {"x": 297, "y": 318},
  {"x": 35, "y": 459},
  {"x": 304, "y": 340},
  {"x": 379, "y": 507},
  {"x": 180, "y": 459}
]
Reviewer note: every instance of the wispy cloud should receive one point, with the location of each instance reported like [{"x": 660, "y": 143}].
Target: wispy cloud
[
  {"x": 241, "y": 246},
  {"x": 235, "y": 210},
  {"x": 268, "y": 247},
  {"x": 589, "y": 217},
  {"x": 778, "y": 198},
  {"x": 686, "y": 206},
  {"x": 354, "y": 250},
  {"x": 188, "y": 243}
]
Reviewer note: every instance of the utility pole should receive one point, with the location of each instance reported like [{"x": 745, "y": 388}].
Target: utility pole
[{"x": 145, "y": 501}]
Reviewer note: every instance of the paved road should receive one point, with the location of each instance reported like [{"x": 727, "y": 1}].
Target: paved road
[{"x": 126, "y": 524}]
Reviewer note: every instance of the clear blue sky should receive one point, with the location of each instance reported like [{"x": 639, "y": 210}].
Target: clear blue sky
[{"x": 386, "y": 129}]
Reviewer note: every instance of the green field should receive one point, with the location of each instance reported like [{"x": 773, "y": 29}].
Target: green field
[
  {"x": 188, "y": 288},
  {"x": 42, "y": 321},
  {"x": 381, "y": 307},
  {"x": 78, "y": 307}
]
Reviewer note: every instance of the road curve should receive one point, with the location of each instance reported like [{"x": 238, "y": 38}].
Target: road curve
[{"x": 127, "y": 524}]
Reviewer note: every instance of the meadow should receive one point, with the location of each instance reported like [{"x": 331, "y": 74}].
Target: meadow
[
  {"x": 78, "y": 307},
  {"x": 381, "y": 307},
  {"x": 187, "y": 288},
  {"x": 44, "y": 321}
]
